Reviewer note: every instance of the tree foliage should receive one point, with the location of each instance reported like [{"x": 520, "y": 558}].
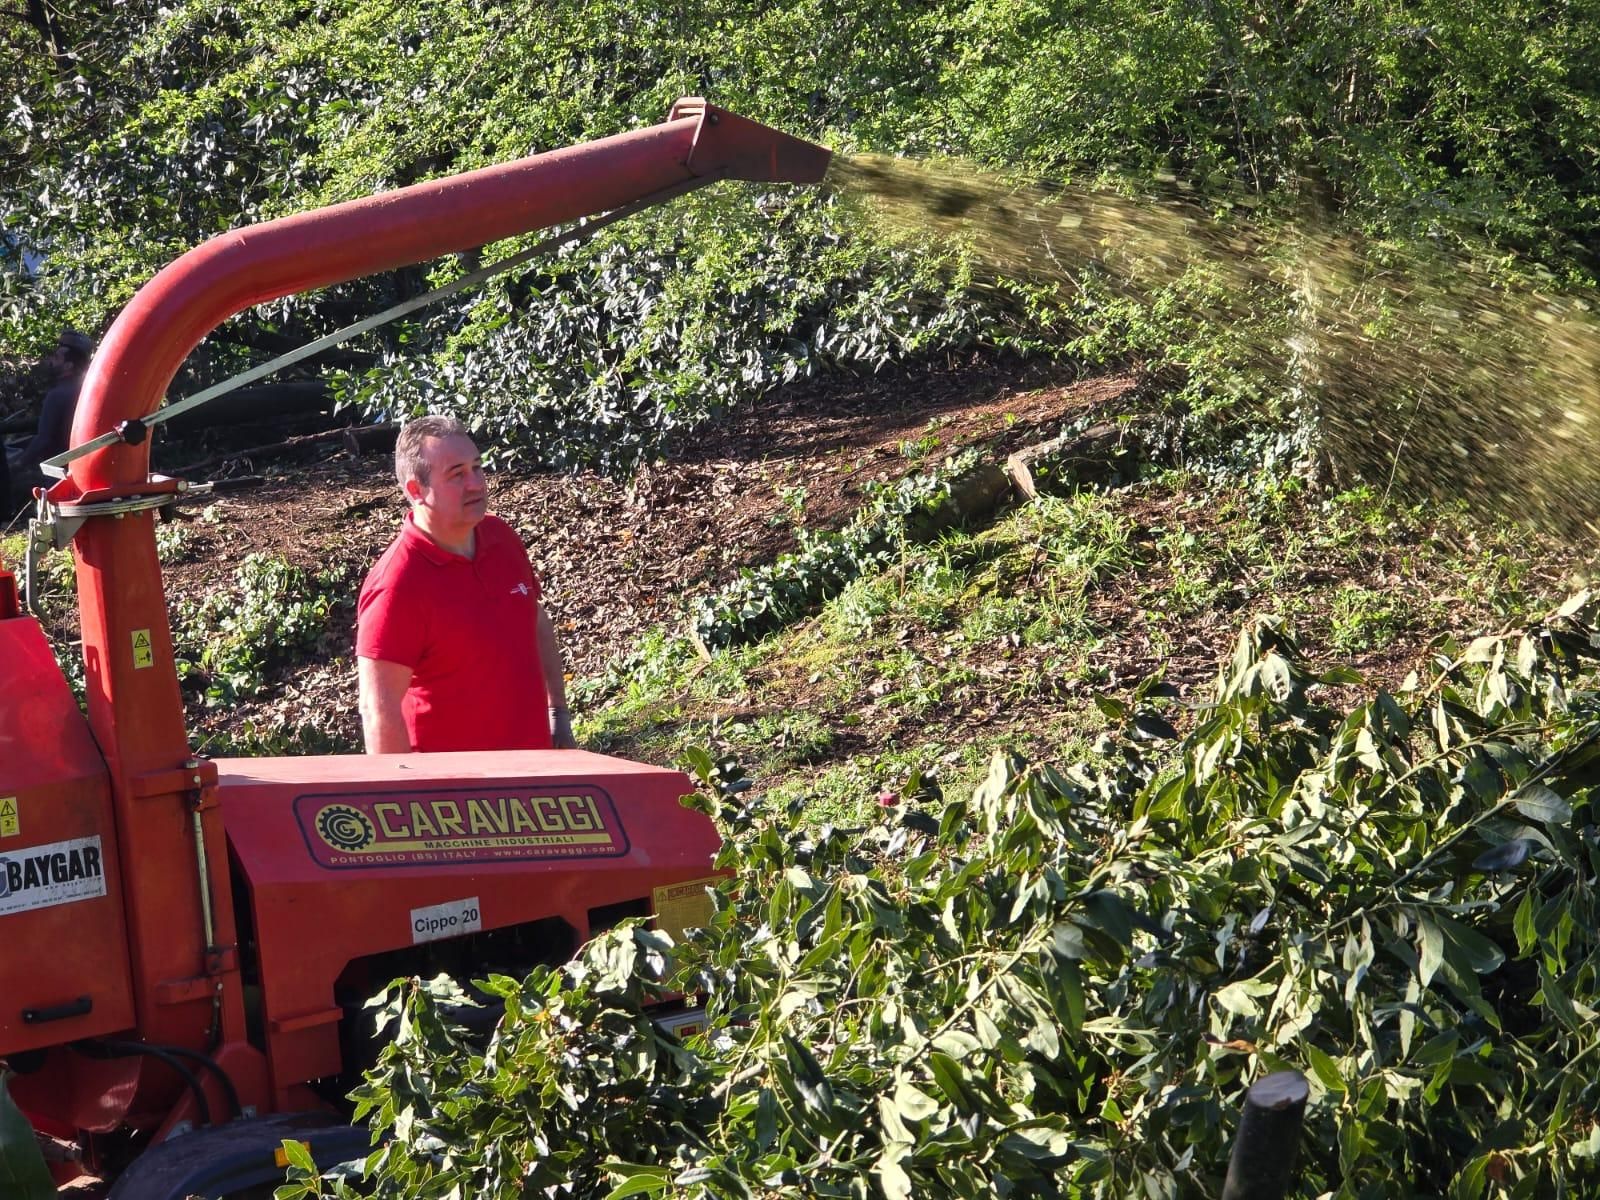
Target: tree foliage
[
  {"x": 1062, "y": 985},
  {"x": 135, "y": 130}
]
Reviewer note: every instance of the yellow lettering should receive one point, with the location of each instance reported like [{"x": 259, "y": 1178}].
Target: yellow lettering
[
  {"x": 481, "y": 819},
  {"x": 421, "y": 822},
  {"x": 574, "y": 811},
  {"x": 520, "y": 820},
  {"x": 382, "y": 811},
  {"x": 548, "y": 823},
  {"x": 448, "y": 815}
]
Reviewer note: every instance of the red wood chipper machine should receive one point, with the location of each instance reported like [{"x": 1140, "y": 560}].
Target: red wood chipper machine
[{"x": 186, "y": 944}]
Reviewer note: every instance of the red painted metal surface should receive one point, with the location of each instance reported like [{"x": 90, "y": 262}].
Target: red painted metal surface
[
  {"x": 520, "y": 836},
  {"x": 10, "y": 605},
  {"x": 528, "y": 836},
  {"x": 60, "y": 877}
]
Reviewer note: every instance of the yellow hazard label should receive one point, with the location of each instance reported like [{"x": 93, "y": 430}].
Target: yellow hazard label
[
  {"x": 681, "y": 906},
  {"x": 281, "y": 1154},
  {"x": 143, "y": 655},
  {"x": 10, "y": 822}
]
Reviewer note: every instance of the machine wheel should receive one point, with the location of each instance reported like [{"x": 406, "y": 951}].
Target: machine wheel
[{"x": 236, "y": 1161}]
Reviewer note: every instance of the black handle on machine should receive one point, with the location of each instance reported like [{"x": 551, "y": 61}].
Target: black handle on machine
[{"x": 81, "y": 1007}]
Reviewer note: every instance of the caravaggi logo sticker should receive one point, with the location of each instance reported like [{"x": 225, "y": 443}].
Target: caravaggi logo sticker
[{"x": 407, "y": 829}]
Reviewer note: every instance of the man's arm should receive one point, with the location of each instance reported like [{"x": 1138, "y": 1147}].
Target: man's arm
[
  {"x": 382, "y": 686},
  {"x": 54, "y": 429},
  {"x": 555, "y": 680}
]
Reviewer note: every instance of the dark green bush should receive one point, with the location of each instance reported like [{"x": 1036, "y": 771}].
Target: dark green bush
[
  {"x": 276, "y": 614},
  {"x": 162, "y": 125},
  {"x": 768, "y": 597},
  {"x": 1062, "y": 985}
]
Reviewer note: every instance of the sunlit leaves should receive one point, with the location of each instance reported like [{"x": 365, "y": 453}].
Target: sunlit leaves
[
  {"x": 1064, "y": 983},
  {"x": 1538, "y": 803}
]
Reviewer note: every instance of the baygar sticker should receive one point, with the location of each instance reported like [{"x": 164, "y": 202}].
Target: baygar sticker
[{"x": 54, "y": 873}]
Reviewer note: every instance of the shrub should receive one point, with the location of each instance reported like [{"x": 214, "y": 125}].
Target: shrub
[
  {"x": 1062, "y": 985},
  {"x": 227, "y": 644}
]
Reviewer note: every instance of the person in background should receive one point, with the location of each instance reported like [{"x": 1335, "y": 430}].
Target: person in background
[
  {"x": 68, "y": 364},
  {"x": 6, "y": 499},
  {"x": 454, "y": 650}
]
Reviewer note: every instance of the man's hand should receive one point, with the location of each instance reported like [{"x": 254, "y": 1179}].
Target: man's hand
[{"x": 561, "y": 729}]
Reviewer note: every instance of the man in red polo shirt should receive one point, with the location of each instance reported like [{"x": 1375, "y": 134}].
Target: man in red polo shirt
[{"x": 454, "y": 649}]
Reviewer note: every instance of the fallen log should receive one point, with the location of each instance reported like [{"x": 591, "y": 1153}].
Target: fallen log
[
  {"x": 973, "y": 496},
  {"x": 270, "y": 402},
  {"x": 363, "y": 439},
  {"x": 1100, "y": 454},
  {"x": 217, "y": 487},
  {"x": 239, "y": 483},
  {"x": 356, "y": 439}
]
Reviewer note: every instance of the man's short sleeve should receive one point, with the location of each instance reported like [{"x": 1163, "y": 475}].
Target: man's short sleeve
[{"x": 389, "y": 626}]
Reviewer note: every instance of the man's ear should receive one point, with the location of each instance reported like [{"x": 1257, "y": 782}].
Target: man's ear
[{"x": 413, "y": 491}]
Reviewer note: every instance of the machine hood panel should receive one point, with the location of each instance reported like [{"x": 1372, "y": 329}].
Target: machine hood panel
[
  {"x": 60, "y": 882},
  {"x": 346, "y": 860},
  {"x": 304, "y": 819}
]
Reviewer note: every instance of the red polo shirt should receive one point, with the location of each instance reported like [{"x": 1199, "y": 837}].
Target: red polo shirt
[{"x": 465, "y": 627}]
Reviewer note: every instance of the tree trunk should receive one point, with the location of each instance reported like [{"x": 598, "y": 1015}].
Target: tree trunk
[{"x": 43, "y": 20}]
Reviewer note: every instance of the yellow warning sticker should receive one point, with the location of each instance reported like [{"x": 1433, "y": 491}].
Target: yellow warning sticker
[
  {"x": 281, "y": 1155},
  {"x": 10, "y": 822},
  {"x": 681, "y": 906},
  {"x": 143, "y": 655}
]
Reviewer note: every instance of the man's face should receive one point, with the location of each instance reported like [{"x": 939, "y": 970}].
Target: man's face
[
  {"x": 456, "y": 494},
  {"x": 58, "y": 362}
]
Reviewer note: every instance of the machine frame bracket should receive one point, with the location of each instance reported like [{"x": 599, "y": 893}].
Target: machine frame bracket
[{"x": 55, "y": 523}]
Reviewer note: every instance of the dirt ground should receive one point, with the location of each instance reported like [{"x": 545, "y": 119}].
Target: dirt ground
[
  {"x": 616, "y": 557},
  {"x": 619, "y": 557}
]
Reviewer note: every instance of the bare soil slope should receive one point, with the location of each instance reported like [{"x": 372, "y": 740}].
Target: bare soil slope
[
  {"x": 1363, "y": 582},
  {"x": 615, "y": 557}
]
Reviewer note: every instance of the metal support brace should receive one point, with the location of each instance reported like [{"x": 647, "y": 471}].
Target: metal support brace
[{"x": 54, "y": 525}]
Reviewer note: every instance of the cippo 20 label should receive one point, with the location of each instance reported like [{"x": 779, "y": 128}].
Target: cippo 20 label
[{"x": 412, "y": 829}]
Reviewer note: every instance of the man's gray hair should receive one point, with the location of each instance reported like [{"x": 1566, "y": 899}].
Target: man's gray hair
[{"x": 409, "y": 462}]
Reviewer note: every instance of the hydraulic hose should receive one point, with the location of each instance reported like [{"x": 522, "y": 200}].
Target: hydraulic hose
[
  {"x": 211, "y": 1064},
  {"x": 173, "y": 1057}
]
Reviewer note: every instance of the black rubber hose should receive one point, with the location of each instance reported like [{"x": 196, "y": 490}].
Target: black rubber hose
[
  {"x": 160, "y": 1054},
  {"x": 211, "y": 1064},
  {"x": 205, "y": 1060}
]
